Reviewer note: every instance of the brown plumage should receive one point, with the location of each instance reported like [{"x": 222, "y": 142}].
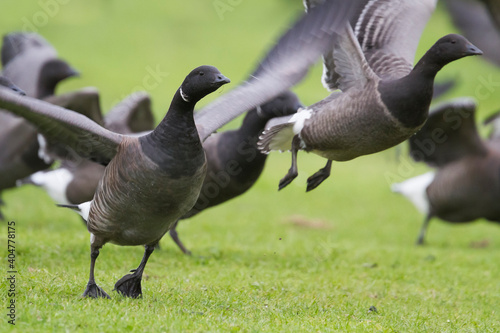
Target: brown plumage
[
  {"x": 383, "y": 100},
  {"x": 466, "y": 183}
]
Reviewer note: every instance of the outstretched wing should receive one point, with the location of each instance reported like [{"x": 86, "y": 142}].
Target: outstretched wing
[
  {"x": 449, "y": 134},
  {"x": 284, "y": 66},
  {"x": 57, "y": 124},
  {"x": 388, "y": 32}
]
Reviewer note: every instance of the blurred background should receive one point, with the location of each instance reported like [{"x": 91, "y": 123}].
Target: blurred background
[
  {"x": 351, "y": 220},
  {"x": 122, "y": 46}
]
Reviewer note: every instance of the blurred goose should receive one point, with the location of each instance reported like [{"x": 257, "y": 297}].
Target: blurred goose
[
  {"x": 233, "y": 161},
  {"x": 32, "y": 64},
  {"x": 76, "y": 180},
  {"x": 383, "y": 100},
  {"x": 152, "y": 180},
  {"x": 466, "y": 183},
  {"x": 5, "y": 82},
  {"x": 475, "y": 20},
  {"x": 494, "y": 122}
]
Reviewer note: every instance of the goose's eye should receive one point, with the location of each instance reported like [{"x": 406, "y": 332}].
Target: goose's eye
[
  {"x": 453, "y": 41},
  {"x": 201, "y": 73}
]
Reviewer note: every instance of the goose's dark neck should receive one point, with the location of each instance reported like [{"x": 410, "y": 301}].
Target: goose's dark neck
[
  {"x": 178, "y": 124},
  {"x": 427, "y": 67},
  {"x": 408, "y": 99},
  {"x": 253, "y": 124},
  {"x": 175, "y": 140}
]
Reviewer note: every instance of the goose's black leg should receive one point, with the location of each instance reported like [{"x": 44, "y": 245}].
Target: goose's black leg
[
  {"x": 423, "y": 230},
  {"x": 319, "y": 177},
  {"x": 93, "y": 290},
  {"x": 175, "y": 237},
  {"x": 292, "y": 172},
  {"x": 130, "y": 284}
]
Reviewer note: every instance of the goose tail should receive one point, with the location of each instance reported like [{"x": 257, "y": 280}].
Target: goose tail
[
  {"x": 278, "y": 137},
  {"x": 82, "y": 209}
]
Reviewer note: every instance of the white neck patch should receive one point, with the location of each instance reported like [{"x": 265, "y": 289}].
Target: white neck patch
[{"x": 184, "y": 96}]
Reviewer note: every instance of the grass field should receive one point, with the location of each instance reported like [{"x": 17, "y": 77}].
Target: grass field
[{"x": 267, "y": 261}]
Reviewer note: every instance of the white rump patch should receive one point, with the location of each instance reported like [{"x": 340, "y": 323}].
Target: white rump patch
[
  {"x": 299, "y": 119},
  {"x": 414, "y": 189},
  {"x": 84, "y": 211},
  {"x": 54, "y": 183}
]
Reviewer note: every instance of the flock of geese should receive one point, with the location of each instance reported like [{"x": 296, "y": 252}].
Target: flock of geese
[{"x": 132, "y": 182}]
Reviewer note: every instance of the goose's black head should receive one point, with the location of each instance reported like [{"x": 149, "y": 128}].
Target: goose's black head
[
  {"x": 453, "y": 47},
  {"x": 200, "y": 82},
  {"x": 284, "y": 104},
  {"x": 4, "y": 81},
  {"x": 51, "y": 73}
]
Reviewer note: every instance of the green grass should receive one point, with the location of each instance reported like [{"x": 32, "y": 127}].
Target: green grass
[{"x": 267, "y": 261}]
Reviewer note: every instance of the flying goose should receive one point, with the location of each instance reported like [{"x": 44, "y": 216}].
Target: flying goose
[
  {"x": 32, "y": 64},
  {"x": 475, "y": 20},
  {"x": 76, "y": 180},
  {"x": 383, "y": 100},
  {"x": 466, "y": 183},
  {"x": 233, "y": 161},
  {"x": 151, "y": 181}
]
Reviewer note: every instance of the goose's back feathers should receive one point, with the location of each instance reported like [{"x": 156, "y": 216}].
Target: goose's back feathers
[
  {"x": 449, "y": 134},
  {"x": 18, "y": 42},
  {"x": 132, "y": 115},
  {"x": 468, "y": 189}
]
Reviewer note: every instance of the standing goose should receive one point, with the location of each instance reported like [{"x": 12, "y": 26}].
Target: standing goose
[
  {"x": 76, "y": 180},
  {"x": 32, "y": 64},
  {"x": 149, "y": 181},
  {"x": 466, "y": 183},
  {"x": 383, "y": 100},
  {"x": 152, "y": 180},
  {"x": 234, "y": 162}
]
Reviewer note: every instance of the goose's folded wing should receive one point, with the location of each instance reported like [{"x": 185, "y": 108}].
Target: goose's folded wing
[
  {"x": 389, "y": 31},
  {"x": 284, "y": 66},
  {"x": 449, "y": 134},
  {"x": 84, "y": 101},
  {"x": 63, "y": 126},
  {"x": 132, "y": 115},
  {"x": 473, "y": 20}
]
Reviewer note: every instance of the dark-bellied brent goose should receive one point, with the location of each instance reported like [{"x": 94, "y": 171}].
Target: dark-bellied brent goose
[
  {"x": 152, "y": 180},
  {"x": 383, "y": 101},
  {"x": 32, "y": 64},
  {"x": 234, "y": 162},
  {"x": 466, "y": 183}
]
